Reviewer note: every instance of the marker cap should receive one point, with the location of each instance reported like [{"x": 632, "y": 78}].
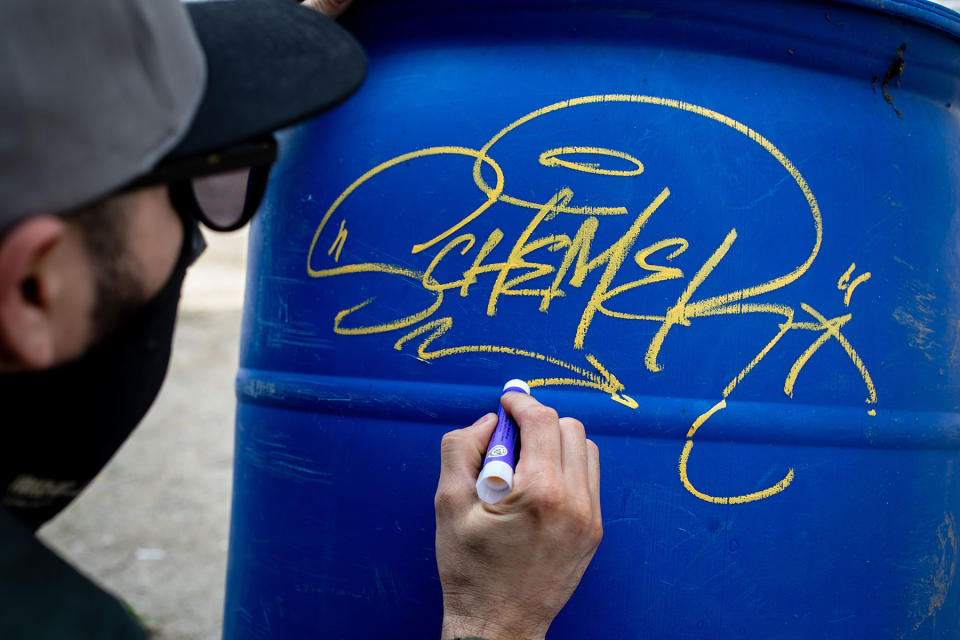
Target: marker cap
[
  {"x": 517, "y": 384},
  {"x": 495, "y": 481}
]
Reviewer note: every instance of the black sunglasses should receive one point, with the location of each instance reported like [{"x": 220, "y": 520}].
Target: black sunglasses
[{"x": 222, "y": 190}]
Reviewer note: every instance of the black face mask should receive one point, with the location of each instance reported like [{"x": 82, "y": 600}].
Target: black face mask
[{"x": 60, "y": 427}]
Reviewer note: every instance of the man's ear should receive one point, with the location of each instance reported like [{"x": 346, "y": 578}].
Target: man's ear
[{"x": 27, "y": 332}]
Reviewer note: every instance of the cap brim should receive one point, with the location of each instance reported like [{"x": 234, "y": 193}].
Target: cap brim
[{"x": 270, "y": 64}]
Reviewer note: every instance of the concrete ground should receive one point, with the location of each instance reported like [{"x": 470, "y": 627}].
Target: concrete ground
[{"x": 152, "y": 528}]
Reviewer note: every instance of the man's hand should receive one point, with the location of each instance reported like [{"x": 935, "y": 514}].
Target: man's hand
[
  {"x": 508, "y": 568},
  {"x": 329, "y": 8}
]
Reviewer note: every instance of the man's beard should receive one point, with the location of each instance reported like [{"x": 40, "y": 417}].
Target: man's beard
[
  {"x": 119, "y": 295},
  {"x": 117, "y": 288}
]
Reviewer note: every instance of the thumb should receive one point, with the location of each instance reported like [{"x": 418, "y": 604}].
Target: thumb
[{"x": 462, "y": 451}]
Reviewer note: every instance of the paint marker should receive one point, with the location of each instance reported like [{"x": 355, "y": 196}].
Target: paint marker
[{"x": 496, "y": 476}]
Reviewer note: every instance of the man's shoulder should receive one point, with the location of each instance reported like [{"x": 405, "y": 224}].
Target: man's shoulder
[{"x": 42, "y": 596}]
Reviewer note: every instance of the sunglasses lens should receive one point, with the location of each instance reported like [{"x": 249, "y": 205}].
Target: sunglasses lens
[{"x": 221, "y": 197}]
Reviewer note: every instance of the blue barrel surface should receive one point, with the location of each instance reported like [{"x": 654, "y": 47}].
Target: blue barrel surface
[{"x": 724, "y": 235}]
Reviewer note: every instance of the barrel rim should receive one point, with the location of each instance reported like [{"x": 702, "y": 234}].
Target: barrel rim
[{"x": 920, "y": 11}]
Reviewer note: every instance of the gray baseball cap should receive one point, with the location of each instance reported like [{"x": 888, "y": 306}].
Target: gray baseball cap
[{"x": 95, "y": 93}]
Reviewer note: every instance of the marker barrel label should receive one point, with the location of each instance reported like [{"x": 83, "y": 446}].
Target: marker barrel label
[
  {"x": 496, "y": 476},
  {"x": 505, "y": 441}
]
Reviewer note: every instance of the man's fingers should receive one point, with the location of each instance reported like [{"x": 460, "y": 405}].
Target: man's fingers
[
  {"x": 461, "y": 457},
  {"x": 540, "y": 445},
  {"x": 329, "y": 8},
  {"x": 574, "y": 455},
  {"x": 593, "y": 479}
]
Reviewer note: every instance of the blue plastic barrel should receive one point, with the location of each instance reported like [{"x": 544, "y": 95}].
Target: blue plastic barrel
[{"x": 724, "y": 235}]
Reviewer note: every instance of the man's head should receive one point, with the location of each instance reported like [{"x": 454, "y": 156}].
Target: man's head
[
  {"x": 112, "y": 110},
  {"x": 68, "y": 280}
]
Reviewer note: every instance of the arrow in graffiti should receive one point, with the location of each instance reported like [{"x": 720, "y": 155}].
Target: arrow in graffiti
[{"x": 600, "y": 379}]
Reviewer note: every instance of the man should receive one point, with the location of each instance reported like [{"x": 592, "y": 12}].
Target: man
[{"x": 116, "y": 115}]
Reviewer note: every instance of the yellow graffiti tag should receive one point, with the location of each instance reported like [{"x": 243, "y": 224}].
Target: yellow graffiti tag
[{"x": 544, "y": 265}]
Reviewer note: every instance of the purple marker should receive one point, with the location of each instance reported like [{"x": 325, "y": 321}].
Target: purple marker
[{"x": 496, "y": 477}]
